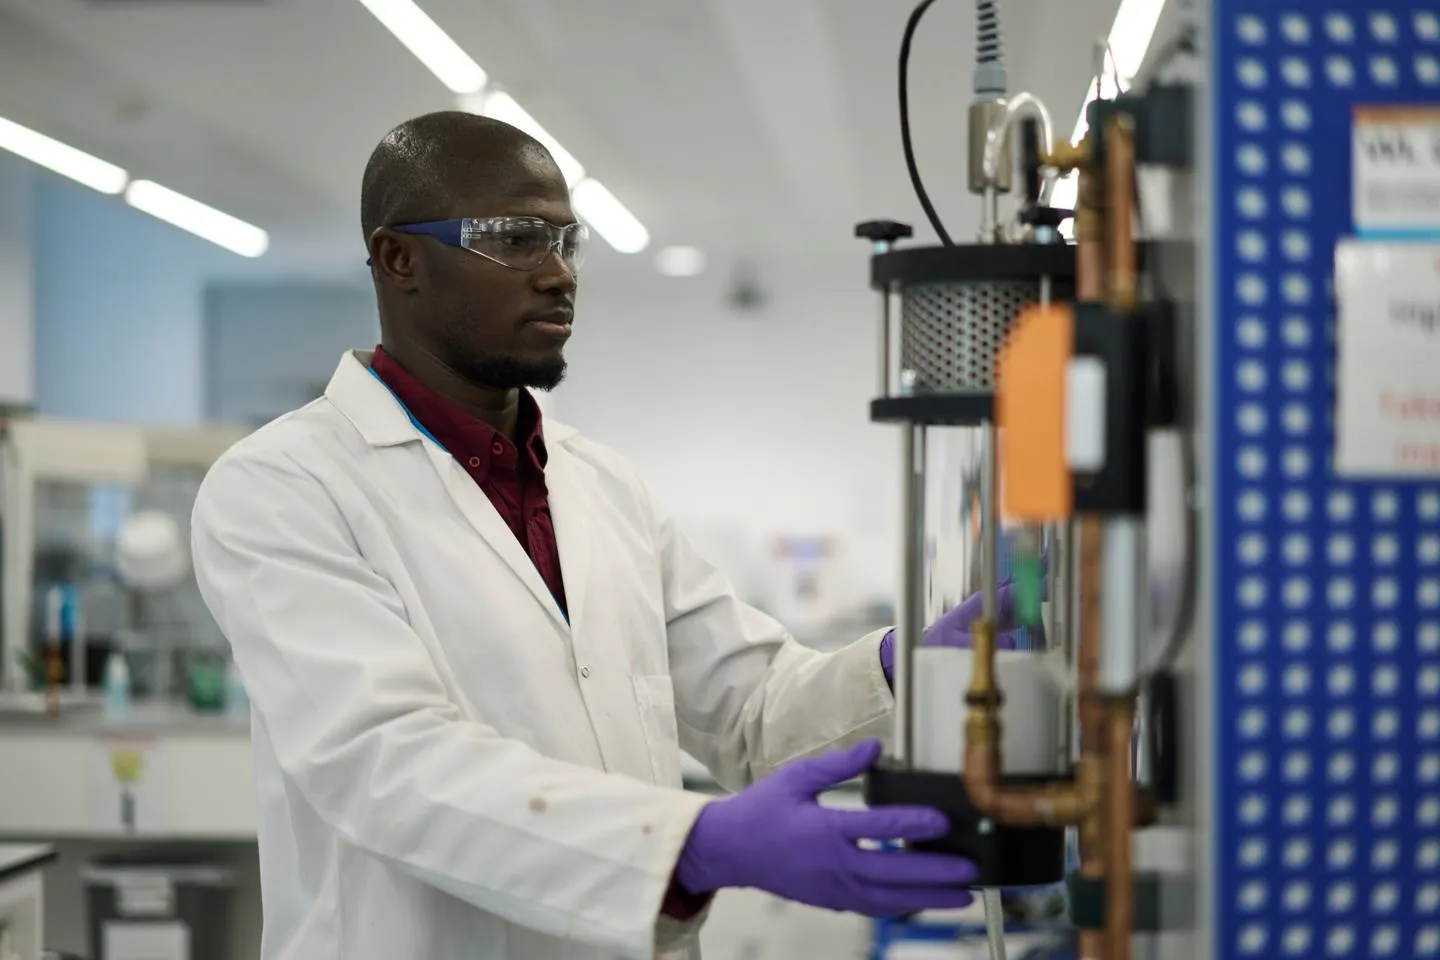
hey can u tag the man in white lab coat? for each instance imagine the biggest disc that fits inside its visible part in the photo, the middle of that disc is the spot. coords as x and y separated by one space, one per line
475 646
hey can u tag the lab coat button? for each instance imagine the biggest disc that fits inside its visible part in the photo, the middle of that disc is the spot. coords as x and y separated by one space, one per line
584 671
474 461
498 448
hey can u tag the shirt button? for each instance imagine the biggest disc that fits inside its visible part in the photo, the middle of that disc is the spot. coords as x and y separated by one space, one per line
498 447
584 671
474 461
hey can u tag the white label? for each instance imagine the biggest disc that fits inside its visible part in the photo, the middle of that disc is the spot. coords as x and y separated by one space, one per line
144 895
1396 159
145 941
1388 366
1085 414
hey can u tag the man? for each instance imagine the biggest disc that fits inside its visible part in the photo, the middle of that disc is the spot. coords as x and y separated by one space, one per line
475 646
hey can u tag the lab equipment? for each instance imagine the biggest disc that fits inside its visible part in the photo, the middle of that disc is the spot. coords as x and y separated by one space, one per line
1216 675
117 685
1044 357
99 512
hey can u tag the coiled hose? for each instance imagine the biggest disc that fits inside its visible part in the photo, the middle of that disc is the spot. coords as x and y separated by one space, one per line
990 79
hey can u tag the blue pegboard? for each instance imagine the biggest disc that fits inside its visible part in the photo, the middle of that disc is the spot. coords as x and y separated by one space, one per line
1327 592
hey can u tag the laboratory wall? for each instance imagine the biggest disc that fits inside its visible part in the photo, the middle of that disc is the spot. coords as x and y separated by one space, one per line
750 424
119 301
17 284
271 347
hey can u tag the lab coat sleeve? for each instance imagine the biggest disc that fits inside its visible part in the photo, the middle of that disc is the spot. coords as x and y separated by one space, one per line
365 730
749 697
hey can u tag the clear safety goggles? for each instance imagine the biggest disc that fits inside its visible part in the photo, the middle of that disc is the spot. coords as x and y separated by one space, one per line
520 243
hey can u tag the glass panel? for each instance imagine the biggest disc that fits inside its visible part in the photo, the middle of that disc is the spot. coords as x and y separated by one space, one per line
77 531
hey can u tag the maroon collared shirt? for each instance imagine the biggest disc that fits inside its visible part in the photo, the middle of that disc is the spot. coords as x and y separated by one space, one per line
512 475
513 478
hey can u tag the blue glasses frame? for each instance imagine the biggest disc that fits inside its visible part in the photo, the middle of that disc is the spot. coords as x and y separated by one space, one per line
456 233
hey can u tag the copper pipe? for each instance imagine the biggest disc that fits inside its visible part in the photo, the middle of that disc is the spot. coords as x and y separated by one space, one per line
1119 872
1089 241
1120 215
1059 803
1093 943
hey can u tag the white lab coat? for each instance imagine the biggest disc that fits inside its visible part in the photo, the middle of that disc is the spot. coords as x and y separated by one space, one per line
446 768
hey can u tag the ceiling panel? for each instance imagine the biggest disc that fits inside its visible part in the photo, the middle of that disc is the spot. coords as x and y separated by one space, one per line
749 127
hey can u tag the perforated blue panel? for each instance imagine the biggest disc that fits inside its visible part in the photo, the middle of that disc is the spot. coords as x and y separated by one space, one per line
1327 716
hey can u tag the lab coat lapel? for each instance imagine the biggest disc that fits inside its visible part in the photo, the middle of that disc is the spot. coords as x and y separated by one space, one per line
568 481
482 515
383 421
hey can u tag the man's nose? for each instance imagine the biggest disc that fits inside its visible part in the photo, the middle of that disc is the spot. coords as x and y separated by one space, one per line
555 273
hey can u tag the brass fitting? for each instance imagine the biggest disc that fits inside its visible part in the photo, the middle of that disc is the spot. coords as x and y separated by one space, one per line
984 690
1066 157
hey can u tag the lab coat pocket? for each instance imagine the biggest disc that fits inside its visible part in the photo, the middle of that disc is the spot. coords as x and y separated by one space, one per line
655 696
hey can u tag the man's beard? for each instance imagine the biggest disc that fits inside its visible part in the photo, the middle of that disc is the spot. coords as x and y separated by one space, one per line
508 373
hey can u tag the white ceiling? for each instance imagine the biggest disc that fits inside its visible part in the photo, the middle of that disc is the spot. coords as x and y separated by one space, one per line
759 128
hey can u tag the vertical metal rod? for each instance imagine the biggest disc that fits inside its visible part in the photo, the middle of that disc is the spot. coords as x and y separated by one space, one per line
879 248
911 596
989 523
883 373
994 922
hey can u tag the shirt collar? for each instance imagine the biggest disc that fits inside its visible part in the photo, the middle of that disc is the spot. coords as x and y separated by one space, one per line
475 444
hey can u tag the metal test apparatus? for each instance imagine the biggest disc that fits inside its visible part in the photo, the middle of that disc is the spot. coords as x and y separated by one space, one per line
1242 734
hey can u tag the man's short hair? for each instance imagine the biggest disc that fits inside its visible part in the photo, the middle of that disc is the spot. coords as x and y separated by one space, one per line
413 173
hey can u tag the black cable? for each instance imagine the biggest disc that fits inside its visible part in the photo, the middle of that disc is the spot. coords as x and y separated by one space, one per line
910 165
1180 632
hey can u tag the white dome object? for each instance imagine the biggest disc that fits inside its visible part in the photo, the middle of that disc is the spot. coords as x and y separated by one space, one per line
150 551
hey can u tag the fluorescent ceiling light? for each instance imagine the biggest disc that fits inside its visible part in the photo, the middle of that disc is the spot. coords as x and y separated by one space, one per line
192 215
503 107
1131 33
680 261
598 207
432 46
62 158
1129 40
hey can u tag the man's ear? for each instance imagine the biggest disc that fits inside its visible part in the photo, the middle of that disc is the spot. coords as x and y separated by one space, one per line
393 258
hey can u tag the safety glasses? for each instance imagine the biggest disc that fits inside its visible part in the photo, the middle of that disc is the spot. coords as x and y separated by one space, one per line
520 243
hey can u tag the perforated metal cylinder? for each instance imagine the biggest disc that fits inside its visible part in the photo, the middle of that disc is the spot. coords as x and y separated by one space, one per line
951 331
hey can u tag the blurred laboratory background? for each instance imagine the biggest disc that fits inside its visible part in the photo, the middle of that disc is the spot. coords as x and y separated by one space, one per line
181 260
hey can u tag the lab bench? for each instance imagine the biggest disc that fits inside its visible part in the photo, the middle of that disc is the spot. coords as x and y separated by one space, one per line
161 771
22 899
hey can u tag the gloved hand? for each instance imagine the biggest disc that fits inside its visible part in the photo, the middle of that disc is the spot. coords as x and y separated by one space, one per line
775 836
953 629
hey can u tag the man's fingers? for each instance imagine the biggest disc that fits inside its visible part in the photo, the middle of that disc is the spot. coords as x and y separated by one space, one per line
902 901
910 868
892 823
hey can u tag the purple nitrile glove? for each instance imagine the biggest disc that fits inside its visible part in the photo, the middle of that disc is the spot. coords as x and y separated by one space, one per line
953 629
775 836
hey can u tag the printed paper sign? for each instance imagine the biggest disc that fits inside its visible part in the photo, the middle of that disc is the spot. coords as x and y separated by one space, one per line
1396 154
145 941
127 792
1388 366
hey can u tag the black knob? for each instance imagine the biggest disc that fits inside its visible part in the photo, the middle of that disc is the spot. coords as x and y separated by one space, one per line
1038 216
883 231
1030 160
